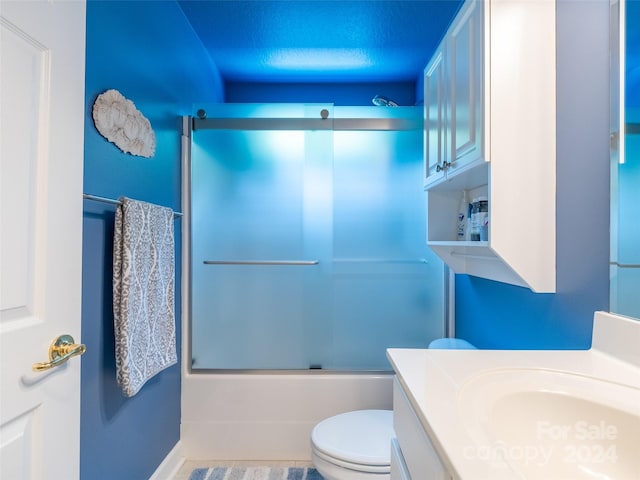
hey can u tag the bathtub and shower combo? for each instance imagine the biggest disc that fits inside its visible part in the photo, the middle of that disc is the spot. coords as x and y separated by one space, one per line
304 259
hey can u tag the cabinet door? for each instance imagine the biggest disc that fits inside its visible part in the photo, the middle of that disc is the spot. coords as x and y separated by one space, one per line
435 118
418 452
464 53
398 466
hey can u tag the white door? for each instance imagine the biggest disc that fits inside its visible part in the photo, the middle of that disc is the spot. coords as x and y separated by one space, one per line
42 48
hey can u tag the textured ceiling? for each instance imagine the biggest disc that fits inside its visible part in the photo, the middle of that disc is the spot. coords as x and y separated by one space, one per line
320 40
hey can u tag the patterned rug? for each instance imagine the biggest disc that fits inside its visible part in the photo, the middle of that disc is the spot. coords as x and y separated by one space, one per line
255 473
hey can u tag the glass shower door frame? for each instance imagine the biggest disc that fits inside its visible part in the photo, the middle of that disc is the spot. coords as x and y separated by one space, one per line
316 123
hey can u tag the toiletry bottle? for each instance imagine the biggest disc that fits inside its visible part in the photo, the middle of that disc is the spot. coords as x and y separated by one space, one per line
475 217
467 232
463 214
483 218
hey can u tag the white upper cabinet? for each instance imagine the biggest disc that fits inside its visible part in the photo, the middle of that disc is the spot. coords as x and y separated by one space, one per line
496 67
465 83
435 137
453 98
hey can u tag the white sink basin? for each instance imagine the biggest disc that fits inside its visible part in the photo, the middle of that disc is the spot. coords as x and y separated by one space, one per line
548 424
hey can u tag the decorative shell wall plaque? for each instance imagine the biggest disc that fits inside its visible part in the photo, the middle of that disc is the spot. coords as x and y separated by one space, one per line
119 121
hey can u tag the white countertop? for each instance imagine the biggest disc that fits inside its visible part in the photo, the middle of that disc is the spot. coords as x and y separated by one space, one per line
433 380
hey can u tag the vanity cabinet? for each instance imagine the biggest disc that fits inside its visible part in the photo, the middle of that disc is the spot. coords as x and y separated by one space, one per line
490 131
413 456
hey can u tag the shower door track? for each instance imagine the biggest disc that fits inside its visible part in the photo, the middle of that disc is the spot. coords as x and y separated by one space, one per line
334 124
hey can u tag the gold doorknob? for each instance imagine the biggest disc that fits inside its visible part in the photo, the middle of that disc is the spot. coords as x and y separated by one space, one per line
61 350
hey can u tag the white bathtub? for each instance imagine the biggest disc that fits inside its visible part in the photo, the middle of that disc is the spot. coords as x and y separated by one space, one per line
256 416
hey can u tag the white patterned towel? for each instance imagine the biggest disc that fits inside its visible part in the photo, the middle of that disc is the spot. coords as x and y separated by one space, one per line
143 293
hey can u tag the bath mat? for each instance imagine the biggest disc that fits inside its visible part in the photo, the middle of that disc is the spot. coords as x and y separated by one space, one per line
255 473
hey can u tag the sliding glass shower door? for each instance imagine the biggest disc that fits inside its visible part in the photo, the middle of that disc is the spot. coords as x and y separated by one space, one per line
308 245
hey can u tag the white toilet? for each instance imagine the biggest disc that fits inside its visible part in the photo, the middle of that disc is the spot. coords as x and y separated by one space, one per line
357 445
354 445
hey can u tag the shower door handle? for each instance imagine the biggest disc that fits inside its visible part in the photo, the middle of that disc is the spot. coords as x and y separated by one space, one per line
262 262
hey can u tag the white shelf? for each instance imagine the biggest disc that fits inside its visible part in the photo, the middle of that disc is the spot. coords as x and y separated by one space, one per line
476 258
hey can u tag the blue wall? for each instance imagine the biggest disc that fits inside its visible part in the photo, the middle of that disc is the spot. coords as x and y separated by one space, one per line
494 315
148 52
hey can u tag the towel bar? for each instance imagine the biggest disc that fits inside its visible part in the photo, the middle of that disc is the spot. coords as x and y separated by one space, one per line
624 265
111 201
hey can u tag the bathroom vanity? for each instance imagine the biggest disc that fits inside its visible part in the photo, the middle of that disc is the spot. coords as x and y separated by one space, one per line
503 414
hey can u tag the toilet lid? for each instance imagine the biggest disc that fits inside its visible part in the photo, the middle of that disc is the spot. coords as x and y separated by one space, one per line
362 437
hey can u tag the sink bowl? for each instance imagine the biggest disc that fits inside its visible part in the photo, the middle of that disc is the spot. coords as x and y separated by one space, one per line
543 424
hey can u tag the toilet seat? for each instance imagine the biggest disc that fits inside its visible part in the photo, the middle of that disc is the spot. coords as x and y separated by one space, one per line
357 467
359 440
